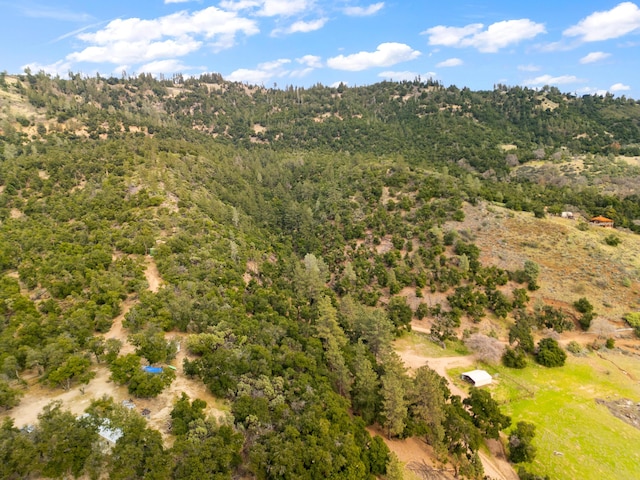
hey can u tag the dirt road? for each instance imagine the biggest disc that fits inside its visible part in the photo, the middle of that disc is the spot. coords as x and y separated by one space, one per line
495 465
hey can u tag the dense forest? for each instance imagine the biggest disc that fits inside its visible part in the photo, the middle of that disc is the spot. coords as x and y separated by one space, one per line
285 224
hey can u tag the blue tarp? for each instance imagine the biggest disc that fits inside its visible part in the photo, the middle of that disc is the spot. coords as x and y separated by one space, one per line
152 369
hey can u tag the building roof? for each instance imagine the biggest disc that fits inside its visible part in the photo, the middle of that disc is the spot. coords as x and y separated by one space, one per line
477 377
111 435
601 219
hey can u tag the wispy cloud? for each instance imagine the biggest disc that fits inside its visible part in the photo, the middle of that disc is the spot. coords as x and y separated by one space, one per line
60 68
551 80
269 8
264 73
35 10
450 62
594 57
496 37
300 27
617 22
591 91
385 55
77 31
364 11
164 66
267 72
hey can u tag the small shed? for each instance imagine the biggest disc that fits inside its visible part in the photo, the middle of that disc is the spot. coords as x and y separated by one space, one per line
601 221
111 435
478 378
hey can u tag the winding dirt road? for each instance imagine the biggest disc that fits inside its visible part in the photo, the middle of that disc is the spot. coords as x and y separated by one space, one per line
495 465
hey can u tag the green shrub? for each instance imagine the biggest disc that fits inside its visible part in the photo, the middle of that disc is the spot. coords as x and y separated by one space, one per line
574 347
612 240
521 448
550 354
633 319
514 358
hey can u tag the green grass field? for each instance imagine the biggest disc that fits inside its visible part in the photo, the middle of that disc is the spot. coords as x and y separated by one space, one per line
576 437
421 343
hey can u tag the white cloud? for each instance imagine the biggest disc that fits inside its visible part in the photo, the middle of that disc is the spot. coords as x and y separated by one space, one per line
337 84
364 11
594 57
163 66
450 62
135 52
285 8
301 27
263 74
312 61
386 54
550 80
237 5
302 72
620 20
452 36
135 40
269 8
619 87
60 68
497 35
528 68
591 91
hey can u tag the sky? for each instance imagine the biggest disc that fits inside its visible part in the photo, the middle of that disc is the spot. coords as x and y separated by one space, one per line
579 46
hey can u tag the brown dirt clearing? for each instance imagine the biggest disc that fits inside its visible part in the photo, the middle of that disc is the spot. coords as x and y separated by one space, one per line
78 398
413 450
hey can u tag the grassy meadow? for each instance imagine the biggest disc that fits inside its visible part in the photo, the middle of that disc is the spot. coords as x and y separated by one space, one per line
575 437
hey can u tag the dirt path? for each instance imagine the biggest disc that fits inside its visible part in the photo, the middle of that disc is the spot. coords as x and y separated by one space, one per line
411 451
117 330
78 398
495 464
73 400
152 274
414 360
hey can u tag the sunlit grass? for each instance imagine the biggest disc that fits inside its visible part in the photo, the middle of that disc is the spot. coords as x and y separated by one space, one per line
422 344
575 436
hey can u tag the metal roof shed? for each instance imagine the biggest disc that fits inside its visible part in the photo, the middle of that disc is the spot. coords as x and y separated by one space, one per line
478 378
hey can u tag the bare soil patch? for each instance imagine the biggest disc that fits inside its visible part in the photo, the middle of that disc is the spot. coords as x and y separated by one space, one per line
152 274
413 452
77 399
416 453
626 410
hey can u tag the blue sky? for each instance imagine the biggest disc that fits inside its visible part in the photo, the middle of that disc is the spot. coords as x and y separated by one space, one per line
580 46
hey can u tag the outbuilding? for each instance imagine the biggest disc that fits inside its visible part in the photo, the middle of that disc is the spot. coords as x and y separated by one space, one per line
601 221
477 378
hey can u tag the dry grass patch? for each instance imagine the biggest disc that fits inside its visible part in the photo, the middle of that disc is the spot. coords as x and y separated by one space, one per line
573 263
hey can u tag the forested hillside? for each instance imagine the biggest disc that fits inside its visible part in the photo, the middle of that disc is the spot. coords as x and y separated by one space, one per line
287 226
